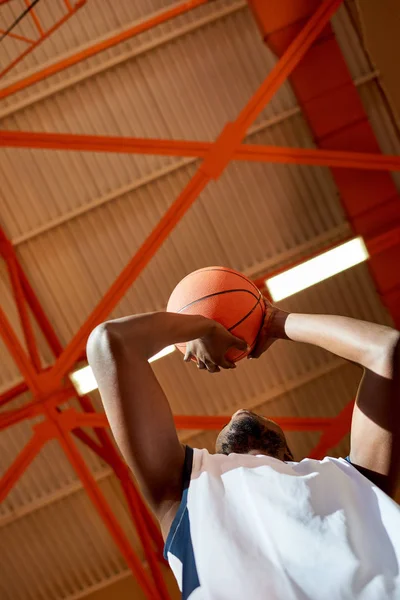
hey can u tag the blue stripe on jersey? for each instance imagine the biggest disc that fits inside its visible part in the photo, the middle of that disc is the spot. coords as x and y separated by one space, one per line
179 541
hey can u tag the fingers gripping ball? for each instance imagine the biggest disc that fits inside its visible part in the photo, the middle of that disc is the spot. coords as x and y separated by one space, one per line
223 295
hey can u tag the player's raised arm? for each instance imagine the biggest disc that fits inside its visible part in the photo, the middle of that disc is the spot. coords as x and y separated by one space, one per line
375 431
135 404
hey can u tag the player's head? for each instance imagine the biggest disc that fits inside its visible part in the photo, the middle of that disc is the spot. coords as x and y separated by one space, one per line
248 433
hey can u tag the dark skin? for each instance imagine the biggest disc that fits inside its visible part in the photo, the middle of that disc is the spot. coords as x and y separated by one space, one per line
142 422
375 431
136 406
249 433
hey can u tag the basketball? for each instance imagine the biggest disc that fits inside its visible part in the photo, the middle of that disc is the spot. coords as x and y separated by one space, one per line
223 295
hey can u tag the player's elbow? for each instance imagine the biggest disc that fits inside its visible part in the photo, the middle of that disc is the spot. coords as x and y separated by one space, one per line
102 342
383 359
111 340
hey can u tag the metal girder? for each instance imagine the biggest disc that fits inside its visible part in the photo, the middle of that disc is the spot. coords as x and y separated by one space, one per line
332 435
46 385
43 35
8 254
91 50
337 119
212 167
48 394
161 147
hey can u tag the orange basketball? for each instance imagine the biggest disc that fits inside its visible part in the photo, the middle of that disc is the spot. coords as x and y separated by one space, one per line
223 295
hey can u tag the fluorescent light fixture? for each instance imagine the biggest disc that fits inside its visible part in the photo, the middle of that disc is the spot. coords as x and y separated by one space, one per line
162 353
317 269
85 382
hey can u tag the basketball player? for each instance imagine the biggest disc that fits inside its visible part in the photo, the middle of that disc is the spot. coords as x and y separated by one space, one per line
248 522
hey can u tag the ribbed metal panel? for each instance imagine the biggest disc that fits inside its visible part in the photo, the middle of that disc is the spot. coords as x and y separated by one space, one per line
350 42
286 366
132 48
323 396
382 122
89 23
50 475
62 549
241 221
76 219
9 372
372 96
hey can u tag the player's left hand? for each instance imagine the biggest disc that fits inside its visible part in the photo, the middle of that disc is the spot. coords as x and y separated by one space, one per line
209 351
271 330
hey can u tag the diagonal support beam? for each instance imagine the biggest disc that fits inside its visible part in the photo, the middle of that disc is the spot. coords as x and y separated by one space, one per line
339 427
206 422
8 253
12 393
211 422
15 36
161 147
148 532
109 519
212 167
41 39
91 50
19 466
19 355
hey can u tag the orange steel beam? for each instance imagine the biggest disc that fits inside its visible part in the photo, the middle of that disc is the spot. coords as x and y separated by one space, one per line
215 162
106 451
57 430
22 308
57 426
20 38
105 44
135 504
34 408
9 418
212 167
211 422
134 500
147 530
245 152
114 528
339 427
18 353
376 245
35 18
337 119
42 38
38 312
20 464
137 507
217 422
138 512
10 394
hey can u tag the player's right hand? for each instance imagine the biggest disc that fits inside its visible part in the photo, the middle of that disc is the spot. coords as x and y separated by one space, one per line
209 351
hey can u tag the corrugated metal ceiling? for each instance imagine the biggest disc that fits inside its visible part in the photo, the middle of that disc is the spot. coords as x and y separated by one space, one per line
74 238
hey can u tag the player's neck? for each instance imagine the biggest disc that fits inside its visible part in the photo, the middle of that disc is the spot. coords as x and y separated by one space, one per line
258 452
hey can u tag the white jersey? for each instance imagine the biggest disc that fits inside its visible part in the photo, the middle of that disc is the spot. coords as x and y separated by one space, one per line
255 528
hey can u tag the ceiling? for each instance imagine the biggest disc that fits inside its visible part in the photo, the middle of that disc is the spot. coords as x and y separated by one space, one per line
76 218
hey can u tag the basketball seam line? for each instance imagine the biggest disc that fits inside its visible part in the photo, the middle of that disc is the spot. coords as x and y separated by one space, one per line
258 303
224 270
255 339
215 294
248 314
